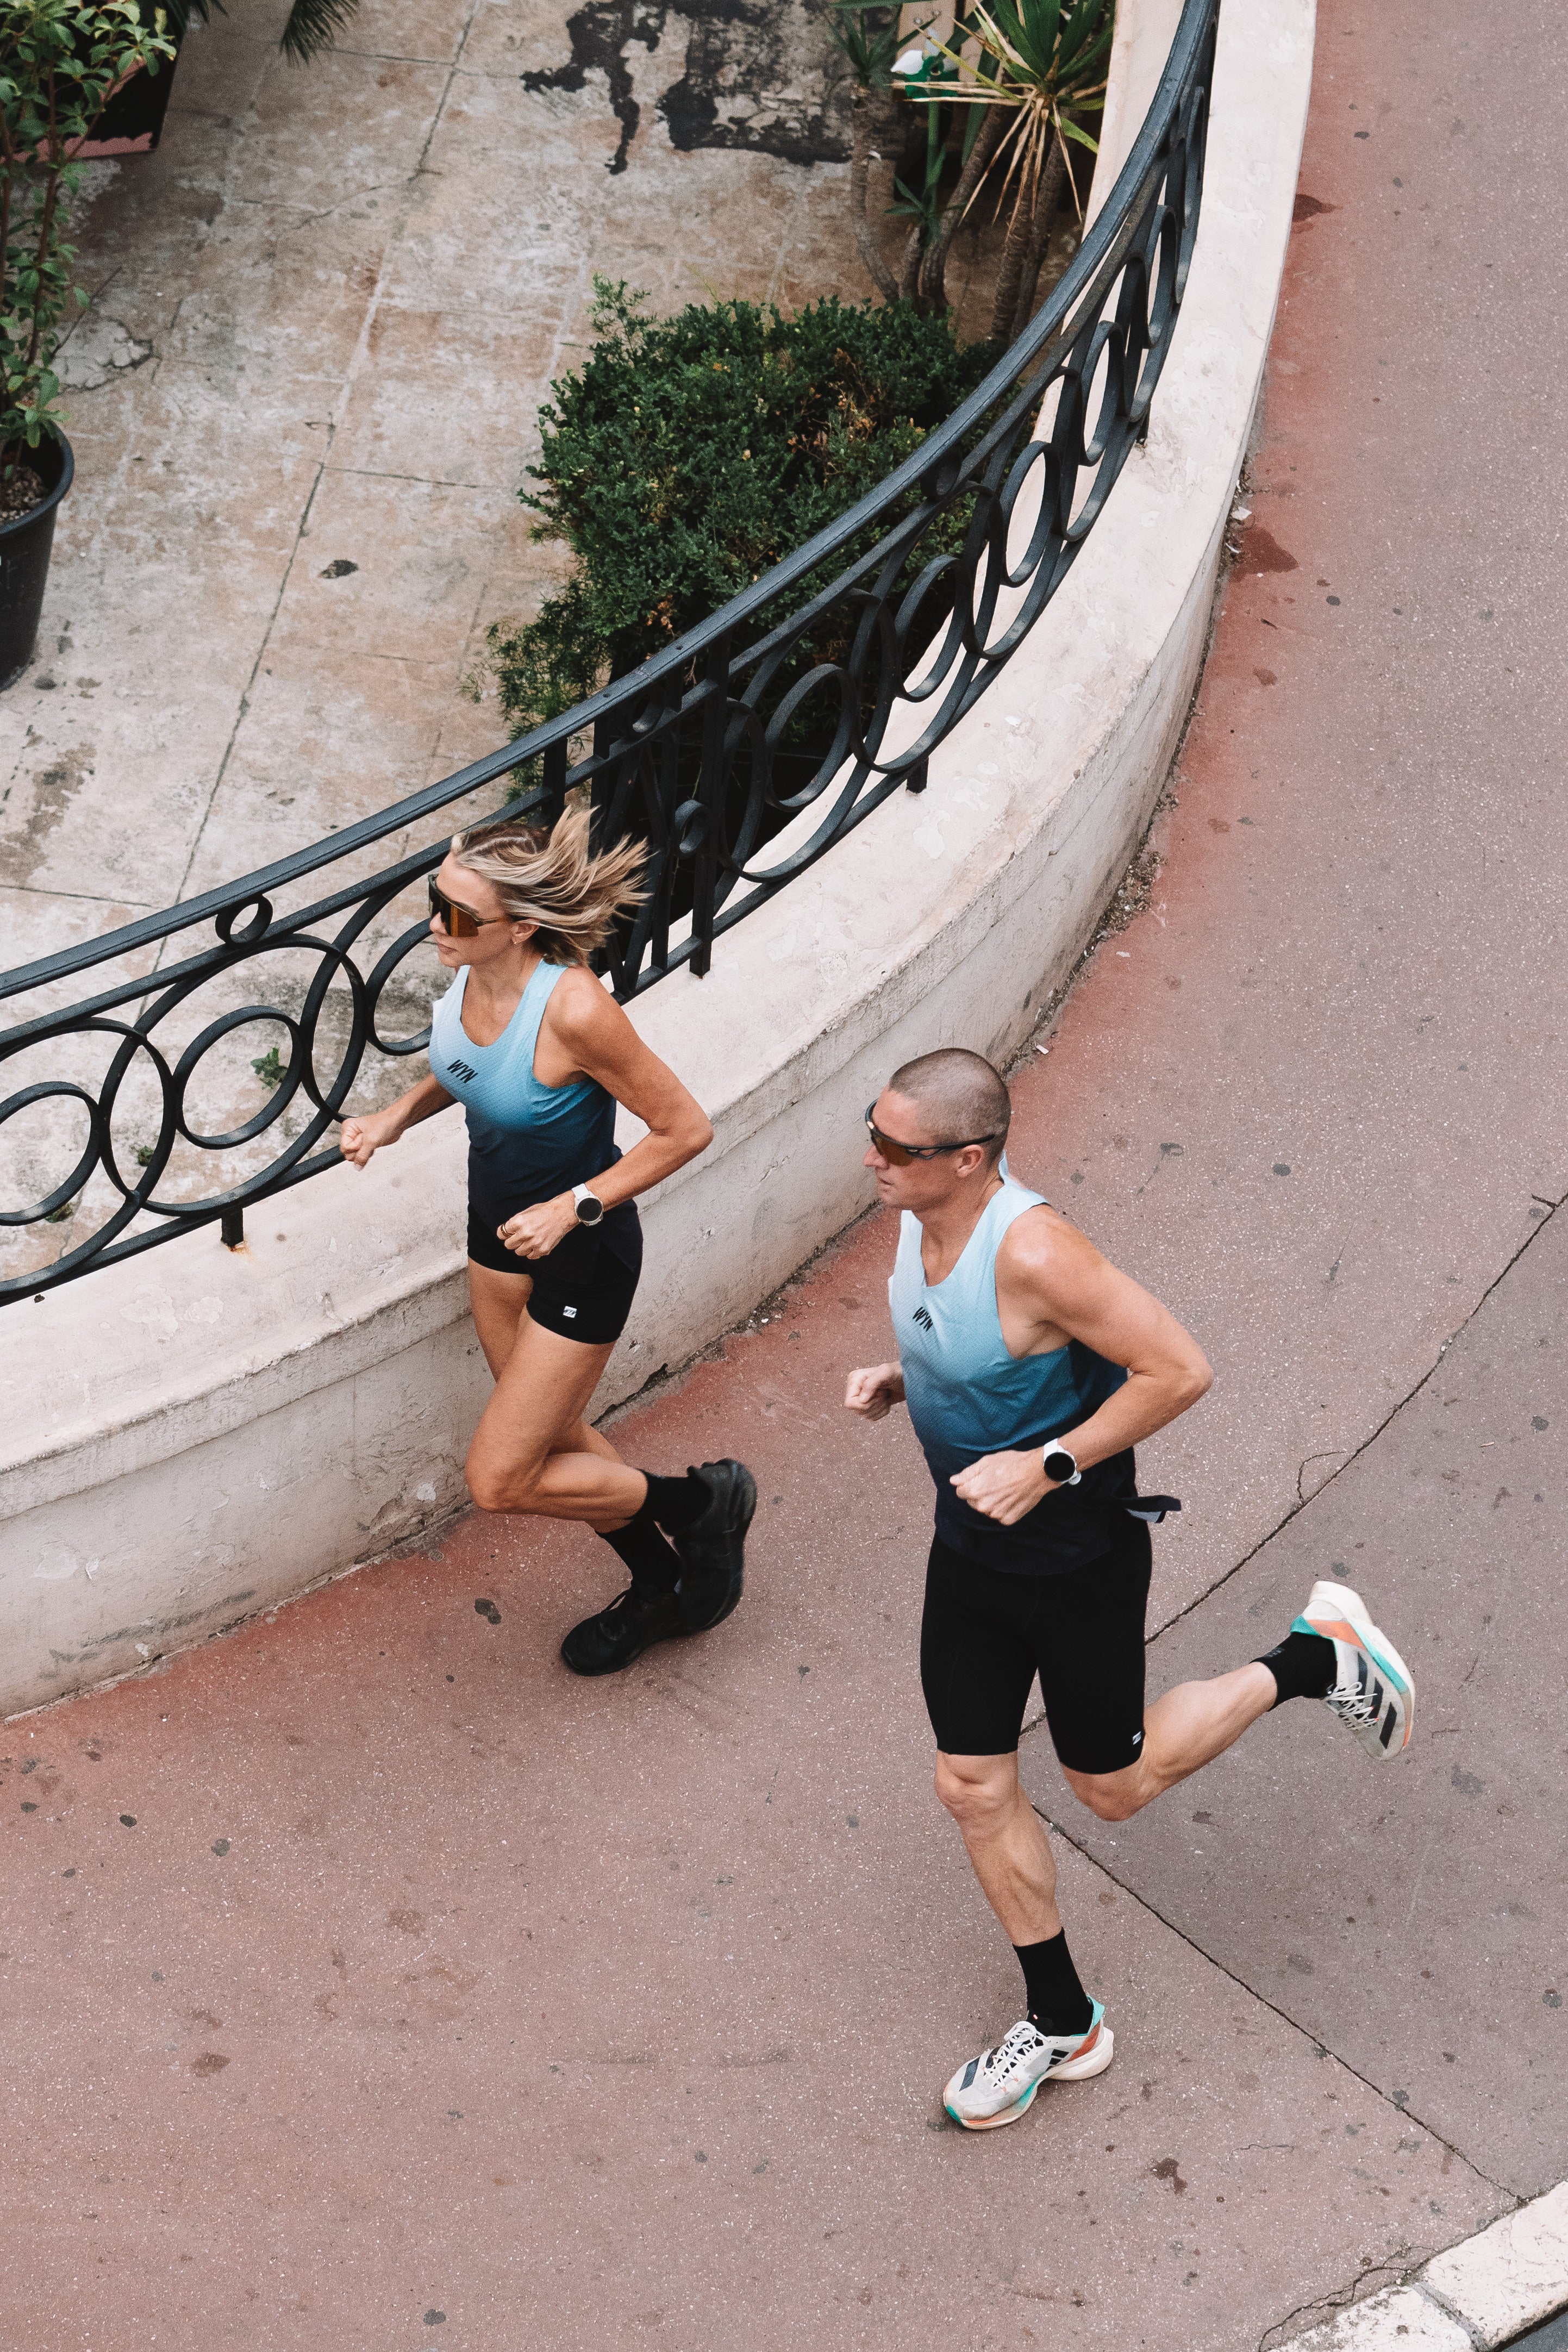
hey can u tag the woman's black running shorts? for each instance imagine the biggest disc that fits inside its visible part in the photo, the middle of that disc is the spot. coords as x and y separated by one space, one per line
986 1634
585 1288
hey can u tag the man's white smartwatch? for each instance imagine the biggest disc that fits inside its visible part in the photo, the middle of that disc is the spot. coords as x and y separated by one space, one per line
1060 1467
590 1207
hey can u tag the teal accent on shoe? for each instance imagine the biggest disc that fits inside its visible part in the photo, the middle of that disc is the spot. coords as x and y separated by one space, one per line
1401 1683
1397 1681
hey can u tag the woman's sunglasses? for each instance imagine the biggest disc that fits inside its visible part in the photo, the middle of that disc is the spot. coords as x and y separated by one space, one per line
899 1155
456 921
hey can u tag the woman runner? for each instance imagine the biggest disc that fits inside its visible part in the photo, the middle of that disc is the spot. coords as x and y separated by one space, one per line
539 1053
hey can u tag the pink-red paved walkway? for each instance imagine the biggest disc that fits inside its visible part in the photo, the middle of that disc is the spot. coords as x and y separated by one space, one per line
370 1983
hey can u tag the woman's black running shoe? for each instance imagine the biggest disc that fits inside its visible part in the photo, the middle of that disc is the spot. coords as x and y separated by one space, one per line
711 1550
633 1622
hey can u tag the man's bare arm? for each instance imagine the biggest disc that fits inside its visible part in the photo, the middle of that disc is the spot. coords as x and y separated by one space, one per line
1053 1285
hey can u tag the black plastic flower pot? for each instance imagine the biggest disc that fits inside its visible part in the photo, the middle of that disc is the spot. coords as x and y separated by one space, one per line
131 123
26 542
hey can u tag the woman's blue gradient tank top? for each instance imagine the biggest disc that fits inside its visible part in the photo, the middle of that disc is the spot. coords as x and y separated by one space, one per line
527 1141
968 1397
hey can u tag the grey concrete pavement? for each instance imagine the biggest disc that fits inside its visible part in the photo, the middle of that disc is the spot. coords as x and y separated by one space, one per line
517 2010
425 1978
1409 1919
1354 969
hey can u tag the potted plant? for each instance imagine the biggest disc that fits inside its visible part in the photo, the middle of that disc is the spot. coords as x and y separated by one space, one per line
60 63
132 122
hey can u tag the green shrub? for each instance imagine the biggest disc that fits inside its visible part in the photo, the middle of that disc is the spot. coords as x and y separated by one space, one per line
692 453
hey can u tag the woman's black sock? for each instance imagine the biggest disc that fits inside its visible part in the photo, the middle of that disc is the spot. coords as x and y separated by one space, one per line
674 1502
1303 1664
1057 2001
654 1563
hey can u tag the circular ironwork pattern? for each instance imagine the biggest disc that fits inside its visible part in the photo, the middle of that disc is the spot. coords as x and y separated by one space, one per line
739 755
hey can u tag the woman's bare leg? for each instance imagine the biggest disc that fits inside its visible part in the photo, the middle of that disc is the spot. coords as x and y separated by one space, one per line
497 1301
528 1453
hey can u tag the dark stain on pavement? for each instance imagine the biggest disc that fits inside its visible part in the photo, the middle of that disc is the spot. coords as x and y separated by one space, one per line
759 74
53 790
1261 552
1168 2168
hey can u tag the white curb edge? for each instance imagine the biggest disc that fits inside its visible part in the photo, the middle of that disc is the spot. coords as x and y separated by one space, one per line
1481 2294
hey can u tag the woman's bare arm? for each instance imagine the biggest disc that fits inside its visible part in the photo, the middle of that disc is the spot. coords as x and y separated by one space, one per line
367 1133
588 1031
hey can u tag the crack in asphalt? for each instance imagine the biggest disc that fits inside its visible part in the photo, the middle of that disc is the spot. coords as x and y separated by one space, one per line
1406 2114
1380 2275
1277 2333
1354 1453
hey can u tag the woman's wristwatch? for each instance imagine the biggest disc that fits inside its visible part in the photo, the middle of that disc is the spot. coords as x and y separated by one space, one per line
1060 1467
590 1207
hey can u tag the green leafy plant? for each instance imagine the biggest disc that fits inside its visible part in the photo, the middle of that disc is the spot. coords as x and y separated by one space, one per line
59 64
690 454
1039 67
268 1068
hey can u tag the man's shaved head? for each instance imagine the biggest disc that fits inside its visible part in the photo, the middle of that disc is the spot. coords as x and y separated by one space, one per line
961 1094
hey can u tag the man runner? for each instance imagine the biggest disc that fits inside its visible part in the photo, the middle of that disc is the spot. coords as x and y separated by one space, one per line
1032 1368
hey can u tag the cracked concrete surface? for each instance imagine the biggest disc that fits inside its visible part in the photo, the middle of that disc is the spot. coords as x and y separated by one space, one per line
375 1977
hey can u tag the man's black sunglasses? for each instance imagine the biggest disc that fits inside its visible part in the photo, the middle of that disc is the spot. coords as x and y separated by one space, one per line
899 1155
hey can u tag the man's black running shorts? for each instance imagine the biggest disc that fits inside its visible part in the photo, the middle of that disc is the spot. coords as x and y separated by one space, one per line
585 1288
986 1634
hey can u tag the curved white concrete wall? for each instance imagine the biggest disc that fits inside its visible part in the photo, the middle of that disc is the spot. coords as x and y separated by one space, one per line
194 1436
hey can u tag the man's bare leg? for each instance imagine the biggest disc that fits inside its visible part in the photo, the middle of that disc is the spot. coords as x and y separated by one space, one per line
1064 2033
1184 1730
1006 1841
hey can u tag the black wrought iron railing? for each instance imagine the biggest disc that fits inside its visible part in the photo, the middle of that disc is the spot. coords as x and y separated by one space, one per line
741 754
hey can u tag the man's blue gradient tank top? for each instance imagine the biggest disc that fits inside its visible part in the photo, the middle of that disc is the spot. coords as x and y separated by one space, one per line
968 1397
527 1141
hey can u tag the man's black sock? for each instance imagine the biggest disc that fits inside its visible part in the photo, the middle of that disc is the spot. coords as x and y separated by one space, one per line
1057 2001
1304 1665
654 1564
674 1502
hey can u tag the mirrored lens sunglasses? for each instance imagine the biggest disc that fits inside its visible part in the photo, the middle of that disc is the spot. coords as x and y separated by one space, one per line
456 921
899 1155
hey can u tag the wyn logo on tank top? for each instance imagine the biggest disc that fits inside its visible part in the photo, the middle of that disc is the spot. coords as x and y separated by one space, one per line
462 1070
923 1318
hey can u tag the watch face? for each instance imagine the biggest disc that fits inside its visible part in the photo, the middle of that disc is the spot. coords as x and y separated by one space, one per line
590 1210
1059 1465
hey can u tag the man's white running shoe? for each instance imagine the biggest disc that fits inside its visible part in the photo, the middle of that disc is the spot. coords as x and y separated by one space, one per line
998 2087
1372 1690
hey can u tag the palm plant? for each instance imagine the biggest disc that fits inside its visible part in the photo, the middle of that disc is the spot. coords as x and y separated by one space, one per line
867 32
1040 69
312 25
